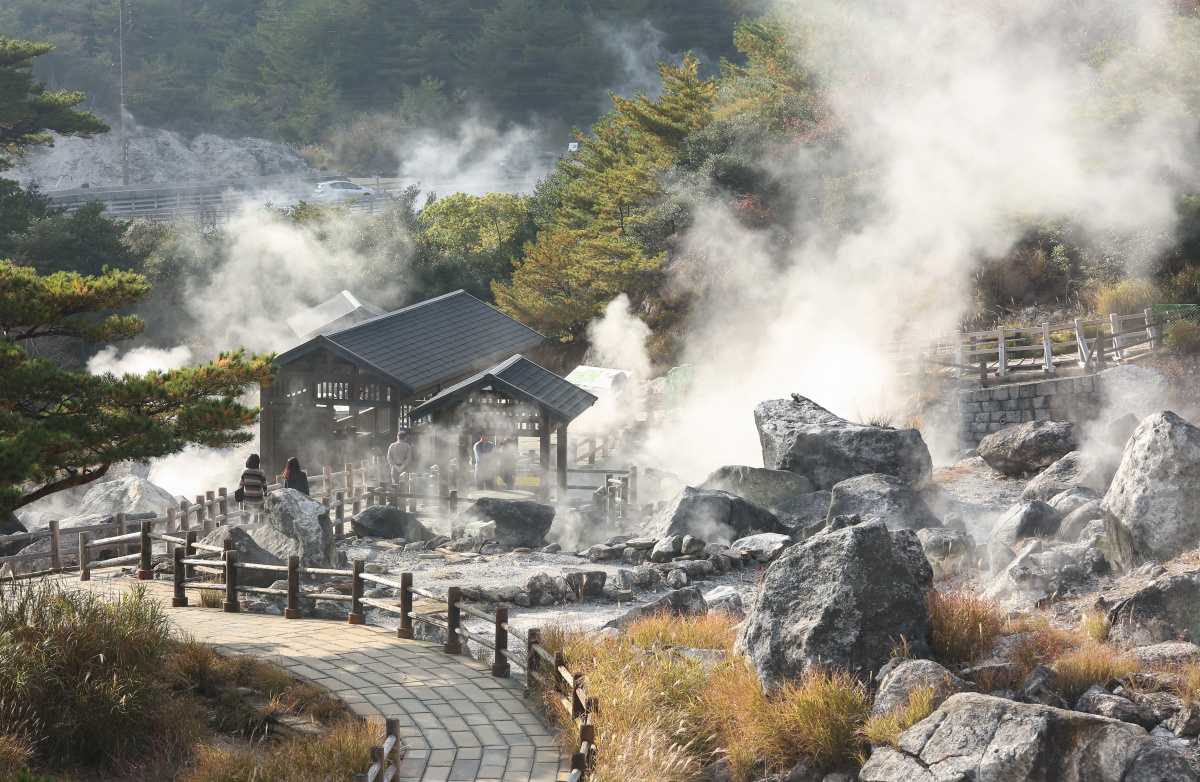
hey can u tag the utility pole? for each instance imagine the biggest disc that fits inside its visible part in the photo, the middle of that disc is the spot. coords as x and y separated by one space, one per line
124 132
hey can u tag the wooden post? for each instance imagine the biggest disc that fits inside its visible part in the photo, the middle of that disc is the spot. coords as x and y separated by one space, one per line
55 548
339 512
633 484
183 516
179 599
391 730
1100 359
189 550
223 505
349 479
544 457
1048 364
1003 347
357 502
84 575
171 520
1114 321
500 662
356 616
231 597
122 529
453 643
610 498
958 353
145 571
210 502
327 481
405 630
1152 329
452 503
563 464
532 660
201 518
591 442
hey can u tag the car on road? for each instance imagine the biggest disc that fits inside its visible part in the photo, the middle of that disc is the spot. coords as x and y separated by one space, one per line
341 190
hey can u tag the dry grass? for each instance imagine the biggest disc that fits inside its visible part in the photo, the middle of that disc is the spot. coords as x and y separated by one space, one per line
1095 626
1090 664
1038 642
944 475
966 624
338 754
663 716
212 598
886 729
1125 297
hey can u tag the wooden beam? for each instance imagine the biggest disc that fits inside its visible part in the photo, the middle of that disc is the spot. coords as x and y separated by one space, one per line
544 457
562 465
266 429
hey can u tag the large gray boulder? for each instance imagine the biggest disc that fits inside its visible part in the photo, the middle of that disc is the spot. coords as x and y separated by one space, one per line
384 521
519 523
950 552
973 738
800 436
804 515
1024 520
1152 509
1167 609
761 486
131 494
249 552
11 525
841 598
882 497
1026 447
714 516
901 678
1077 520
296 524
1076 469
688 601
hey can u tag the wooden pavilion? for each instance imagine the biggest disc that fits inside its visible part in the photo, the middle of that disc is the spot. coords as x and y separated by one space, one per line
342 396
516 398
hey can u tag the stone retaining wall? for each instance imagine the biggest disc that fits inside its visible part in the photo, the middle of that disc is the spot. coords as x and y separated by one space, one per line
988 410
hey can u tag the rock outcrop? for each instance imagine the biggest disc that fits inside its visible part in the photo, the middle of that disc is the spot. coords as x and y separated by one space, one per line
249 552
900 678
1076 469
384 521
840 598
1031 446
519 523
131 494
1167 609
296 524
800 436
1152 509
714 516
882 497
979 737
756 484
687 601
804 515
950 552
1024 520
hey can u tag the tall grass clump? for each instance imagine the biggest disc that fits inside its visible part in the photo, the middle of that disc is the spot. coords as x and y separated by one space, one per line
1184 336
80 673
1126 297
966 623
337 754
1090 664
885 730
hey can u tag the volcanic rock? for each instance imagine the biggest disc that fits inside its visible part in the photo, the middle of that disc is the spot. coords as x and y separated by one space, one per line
1032 519
1152 509
687 601
758 485
130 494
519 523
800 436
840 598
1077 520
248 552
901 678
1101 702
1168 609
384 521
804 515
950 552
882 497
765 547
715 516
1030 446
1076 469
980 737
296 524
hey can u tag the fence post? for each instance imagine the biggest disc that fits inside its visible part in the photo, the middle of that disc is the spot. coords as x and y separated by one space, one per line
391 729
122 528
1114 321
189 550
377 757
231 598
500 662
1100 359
179 599
1003 348
293 588
356 505
327 481
453 503
453 643
55 548
145 571
405 630
610 499
1048 365
532 660
183 515
223 505
349 478
1152 330
339 512
633 484
210 502
958 353
356 594
84 575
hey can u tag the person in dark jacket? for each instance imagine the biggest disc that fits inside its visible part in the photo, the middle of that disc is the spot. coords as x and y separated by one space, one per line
294 477
254 487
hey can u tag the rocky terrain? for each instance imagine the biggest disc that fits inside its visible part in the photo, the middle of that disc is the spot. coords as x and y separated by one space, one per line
844 550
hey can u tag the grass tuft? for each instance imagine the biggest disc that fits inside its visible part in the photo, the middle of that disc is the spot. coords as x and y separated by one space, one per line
966 624
339 753
1091 664
885 730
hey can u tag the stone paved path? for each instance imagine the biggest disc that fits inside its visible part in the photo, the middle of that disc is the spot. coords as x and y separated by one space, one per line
458 722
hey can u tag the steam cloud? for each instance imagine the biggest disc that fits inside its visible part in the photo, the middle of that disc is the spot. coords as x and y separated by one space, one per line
475 158
961 115
138 361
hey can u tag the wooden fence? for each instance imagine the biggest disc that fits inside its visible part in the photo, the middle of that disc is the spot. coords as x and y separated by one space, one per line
1005 350
544 672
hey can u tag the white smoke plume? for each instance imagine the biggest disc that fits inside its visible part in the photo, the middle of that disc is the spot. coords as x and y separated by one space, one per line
618 339
139 361
476 158
960 116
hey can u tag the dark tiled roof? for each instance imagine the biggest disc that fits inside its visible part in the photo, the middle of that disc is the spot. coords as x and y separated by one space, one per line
522 379
424 344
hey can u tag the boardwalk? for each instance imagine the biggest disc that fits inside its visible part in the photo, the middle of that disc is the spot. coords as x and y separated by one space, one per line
458 722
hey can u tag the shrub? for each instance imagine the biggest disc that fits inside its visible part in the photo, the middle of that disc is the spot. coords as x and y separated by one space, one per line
1184 336
966 624
1126 297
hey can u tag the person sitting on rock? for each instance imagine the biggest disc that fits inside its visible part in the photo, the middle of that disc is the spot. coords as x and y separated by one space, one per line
294 477
253 486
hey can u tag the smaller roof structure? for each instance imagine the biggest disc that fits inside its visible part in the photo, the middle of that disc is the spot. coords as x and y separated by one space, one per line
339 311
520 379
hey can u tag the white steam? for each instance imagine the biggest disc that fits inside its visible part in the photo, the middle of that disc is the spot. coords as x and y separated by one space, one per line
618 339
956 117
476 158
138 361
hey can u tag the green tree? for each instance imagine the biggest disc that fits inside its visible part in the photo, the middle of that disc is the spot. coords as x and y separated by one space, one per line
28 111
470 242
59 428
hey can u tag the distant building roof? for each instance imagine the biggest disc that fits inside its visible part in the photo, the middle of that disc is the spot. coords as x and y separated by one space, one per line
518 378
326 314
427 343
